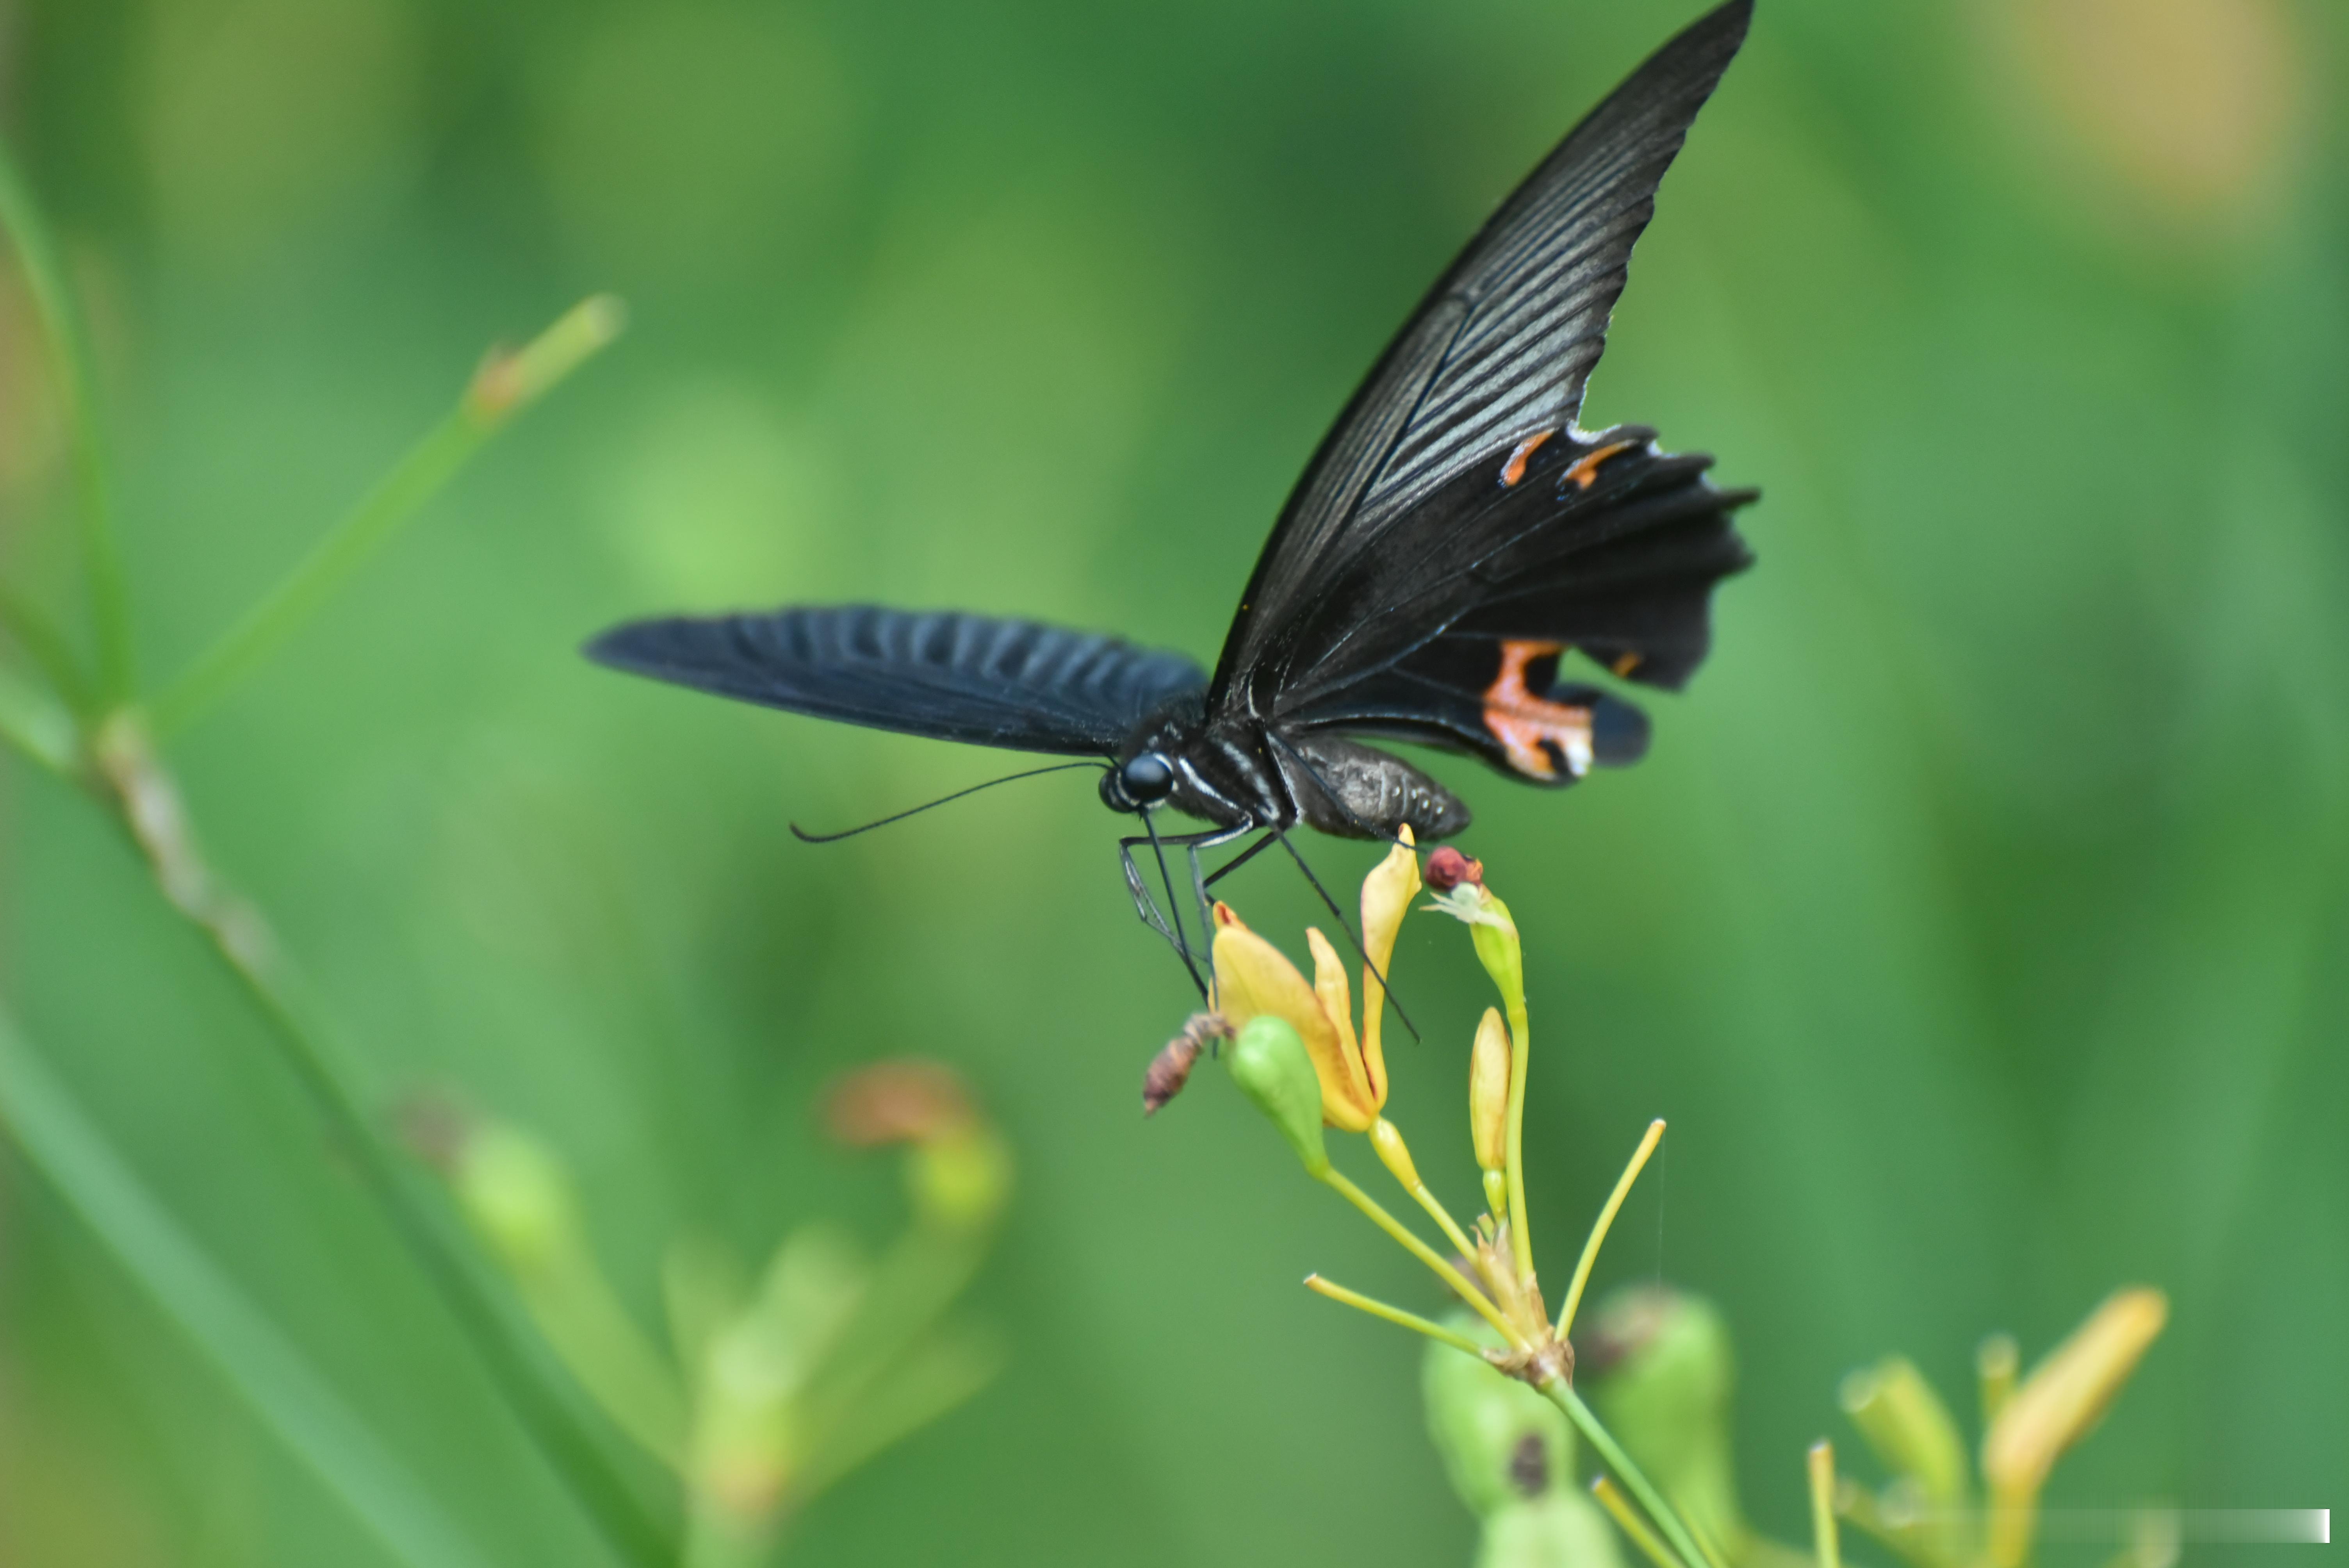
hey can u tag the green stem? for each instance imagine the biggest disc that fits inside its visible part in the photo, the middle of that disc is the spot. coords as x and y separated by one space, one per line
1444 1219
503 386
149 811
1521 1235
1626 1519
69 364
1606 1222
429 466
1331 1176
1821 1474
598 1487
1394 1315
930 1380
32 722
1611 1452
47 645
282 1387
716 1537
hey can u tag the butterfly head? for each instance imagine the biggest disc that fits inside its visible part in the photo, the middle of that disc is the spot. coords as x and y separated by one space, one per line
1138 783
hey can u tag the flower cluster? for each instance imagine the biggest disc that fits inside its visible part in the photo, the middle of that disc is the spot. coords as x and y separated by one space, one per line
774 1386
1295 1050
1296 1053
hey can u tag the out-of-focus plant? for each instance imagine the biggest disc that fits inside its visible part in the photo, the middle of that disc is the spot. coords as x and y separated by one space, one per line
1498 1377
774 1386
1509 1453
1662 1371
74 705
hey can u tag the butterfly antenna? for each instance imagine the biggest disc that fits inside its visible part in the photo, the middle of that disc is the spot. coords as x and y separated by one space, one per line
804 837
1384 988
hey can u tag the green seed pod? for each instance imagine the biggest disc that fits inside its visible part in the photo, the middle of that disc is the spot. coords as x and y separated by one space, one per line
1661 1371
1564 1529
1269 1063
1502 1443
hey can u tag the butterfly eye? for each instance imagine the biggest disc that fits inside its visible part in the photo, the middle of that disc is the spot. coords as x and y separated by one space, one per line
1148 777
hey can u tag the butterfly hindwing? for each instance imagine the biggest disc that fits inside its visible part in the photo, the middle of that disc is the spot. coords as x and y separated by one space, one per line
1601 542
1499 698
1020 685
1488 371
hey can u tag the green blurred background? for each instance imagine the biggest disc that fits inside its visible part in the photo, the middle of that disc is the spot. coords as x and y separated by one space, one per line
1981 921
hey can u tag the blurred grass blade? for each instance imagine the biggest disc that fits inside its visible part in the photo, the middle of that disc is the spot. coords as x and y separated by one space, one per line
69 364
927 1384
505 385
40 638
34 725
282 1387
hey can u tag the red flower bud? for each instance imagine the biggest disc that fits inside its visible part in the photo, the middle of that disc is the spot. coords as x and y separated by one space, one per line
1448 867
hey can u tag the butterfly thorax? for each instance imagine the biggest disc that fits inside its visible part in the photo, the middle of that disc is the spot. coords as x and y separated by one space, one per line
1243 773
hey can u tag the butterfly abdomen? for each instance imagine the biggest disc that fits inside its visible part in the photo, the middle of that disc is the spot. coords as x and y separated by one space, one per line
1356 791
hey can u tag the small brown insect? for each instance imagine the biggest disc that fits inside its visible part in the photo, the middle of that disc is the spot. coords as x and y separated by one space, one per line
1170 1069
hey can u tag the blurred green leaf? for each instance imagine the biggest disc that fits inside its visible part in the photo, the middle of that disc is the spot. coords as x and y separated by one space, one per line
272 1375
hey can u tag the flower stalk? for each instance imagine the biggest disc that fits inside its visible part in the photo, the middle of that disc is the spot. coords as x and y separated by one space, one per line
776 1387
1297 1053
1821 1470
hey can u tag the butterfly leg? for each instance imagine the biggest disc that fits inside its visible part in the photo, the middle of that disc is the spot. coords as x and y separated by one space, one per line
1237 862
1193 844
1146 905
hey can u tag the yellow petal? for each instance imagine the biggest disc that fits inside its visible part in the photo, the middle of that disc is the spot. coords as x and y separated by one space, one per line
1387 893
1350 1084
1254 979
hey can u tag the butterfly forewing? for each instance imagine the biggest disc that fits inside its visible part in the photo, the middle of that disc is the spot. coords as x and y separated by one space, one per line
1020 685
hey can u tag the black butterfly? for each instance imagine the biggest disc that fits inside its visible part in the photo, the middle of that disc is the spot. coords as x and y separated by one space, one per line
1456 533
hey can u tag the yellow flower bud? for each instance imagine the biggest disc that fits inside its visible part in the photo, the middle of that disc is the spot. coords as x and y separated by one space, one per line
2066 1393
519 1199
1488 1091
960 1182
2060 1403
1496 937
1393 1154
510 380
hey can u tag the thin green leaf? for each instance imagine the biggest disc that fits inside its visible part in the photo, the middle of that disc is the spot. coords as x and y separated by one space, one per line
69 346
34 725
502 388
283 1389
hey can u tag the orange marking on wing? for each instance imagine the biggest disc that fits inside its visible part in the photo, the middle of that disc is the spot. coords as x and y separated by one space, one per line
1515 469
1585 471
1522 721
1627 663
